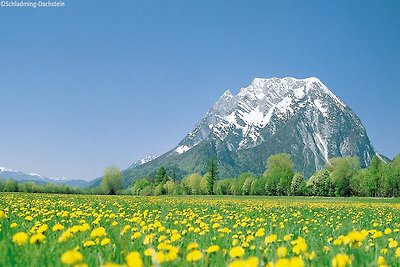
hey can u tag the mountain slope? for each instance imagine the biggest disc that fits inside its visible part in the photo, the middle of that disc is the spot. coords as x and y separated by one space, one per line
301 117
143 161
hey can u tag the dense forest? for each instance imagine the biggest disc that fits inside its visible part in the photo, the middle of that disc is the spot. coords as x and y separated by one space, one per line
341 177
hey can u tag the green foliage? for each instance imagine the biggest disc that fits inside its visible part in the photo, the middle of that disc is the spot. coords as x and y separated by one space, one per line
341 171
298 185
222 187
159 189
30 187
320 184
212 174
394 177
195 184
161 176
341 177
139 185
112 180
11 186
147 191
279 174
247 184
169 187
373 176
358 183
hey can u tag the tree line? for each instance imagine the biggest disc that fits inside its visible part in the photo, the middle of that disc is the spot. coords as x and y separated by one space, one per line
11 185
341 177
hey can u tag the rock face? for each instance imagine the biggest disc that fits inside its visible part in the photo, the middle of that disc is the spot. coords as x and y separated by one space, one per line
301 117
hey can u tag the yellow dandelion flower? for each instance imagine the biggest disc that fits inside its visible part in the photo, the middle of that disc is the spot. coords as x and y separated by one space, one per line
299 245
287 237
337 242
57 227
377 234
354 238
98 232
393 244
175 237
194 255
341 260
105 241
71 257
171 256
280 263
65 236
250 262
260 232
281 252
89 243
192 245
136 235
149 252
133 259
380 261
148 239
37 238
296 262
111 264
236 252
43 228
215 225
20 238
270 239
159 257
212 249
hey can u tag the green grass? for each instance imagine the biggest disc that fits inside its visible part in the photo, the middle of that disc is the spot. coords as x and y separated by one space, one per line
238 220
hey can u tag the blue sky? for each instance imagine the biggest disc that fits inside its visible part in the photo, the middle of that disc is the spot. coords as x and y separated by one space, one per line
102 82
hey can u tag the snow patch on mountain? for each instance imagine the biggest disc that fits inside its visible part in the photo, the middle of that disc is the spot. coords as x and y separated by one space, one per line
35 174
313 82
256 117
2 169
284 105
321 108
182 149
143 161
322 145
299 93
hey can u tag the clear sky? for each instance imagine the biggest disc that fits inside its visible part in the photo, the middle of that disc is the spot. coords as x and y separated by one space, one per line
102 82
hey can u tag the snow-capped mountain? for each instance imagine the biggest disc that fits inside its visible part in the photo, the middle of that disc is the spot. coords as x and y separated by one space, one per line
301 117
33 177
143 161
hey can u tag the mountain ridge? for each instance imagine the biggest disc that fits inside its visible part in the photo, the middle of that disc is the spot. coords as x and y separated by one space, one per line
269 112
20 176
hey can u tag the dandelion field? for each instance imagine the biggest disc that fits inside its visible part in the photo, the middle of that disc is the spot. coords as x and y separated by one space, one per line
77 230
